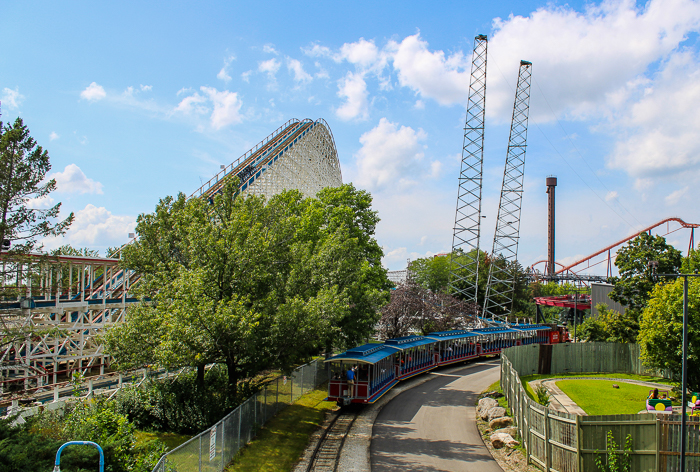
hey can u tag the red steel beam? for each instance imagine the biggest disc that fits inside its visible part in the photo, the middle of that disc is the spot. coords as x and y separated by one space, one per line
667 220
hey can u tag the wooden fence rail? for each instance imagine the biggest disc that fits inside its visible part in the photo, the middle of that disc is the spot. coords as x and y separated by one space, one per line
562 442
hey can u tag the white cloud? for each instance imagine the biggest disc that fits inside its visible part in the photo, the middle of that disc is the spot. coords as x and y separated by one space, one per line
11 98
270 67
353 89
95 227
270 49
611 195
676 196
300 75
390 156
245 76
322 73
317 51
223 73
74 180
93 92
226 107
658 133
431 74
40 203
146 88
192 104
362 53
53 136
584 60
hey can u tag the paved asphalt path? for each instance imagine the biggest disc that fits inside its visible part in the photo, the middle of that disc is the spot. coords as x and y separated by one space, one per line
433 427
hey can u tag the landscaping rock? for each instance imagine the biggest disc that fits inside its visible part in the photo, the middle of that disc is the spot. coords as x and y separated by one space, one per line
485 404
496 412
616 386
498 440
512 430
499 423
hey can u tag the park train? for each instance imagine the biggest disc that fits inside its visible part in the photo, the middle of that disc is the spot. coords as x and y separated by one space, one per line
378 367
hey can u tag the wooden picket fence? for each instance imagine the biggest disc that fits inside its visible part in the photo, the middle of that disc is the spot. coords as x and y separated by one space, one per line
562 442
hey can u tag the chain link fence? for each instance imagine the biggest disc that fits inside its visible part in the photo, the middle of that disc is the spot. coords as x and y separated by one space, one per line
213 449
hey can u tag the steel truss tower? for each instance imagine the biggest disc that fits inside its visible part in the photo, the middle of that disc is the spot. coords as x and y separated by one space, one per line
501 281
464 272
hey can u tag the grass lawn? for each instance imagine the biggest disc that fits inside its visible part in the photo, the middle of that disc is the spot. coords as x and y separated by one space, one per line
282 440
172 440
598 397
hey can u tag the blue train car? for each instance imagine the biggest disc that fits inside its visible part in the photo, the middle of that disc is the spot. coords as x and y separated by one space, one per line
378 367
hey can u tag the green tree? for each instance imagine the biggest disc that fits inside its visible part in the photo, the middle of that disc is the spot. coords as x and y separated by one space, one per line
636 280
610 326
661 330
23 168
252 284
432 273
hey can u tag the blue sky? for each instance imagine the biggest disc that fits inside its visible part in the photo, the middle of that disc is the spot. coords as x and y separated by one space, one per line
135 102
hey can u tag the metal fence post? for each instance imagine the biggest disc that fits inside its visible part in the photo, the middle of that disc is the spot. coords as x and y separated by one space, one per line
239 427
200 453
302 380
265 404
547 455
223 444
277 396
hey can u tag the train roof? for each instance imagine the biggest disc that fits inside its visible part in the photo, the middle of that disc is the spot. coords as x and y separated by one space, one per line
366 354
454 334
408 342
531 327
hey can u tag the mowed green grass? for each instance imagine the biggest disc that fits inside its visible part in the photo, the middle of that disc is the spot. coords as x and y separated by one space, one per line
282 440
598 397
644 378
171 440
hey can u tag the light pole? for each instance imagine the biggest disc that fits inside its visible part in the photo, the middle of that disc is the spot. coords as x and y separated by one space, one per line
684 370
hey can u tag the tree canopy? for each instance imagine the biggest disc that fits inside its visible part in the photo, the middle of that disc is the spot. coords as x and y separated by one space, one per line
610 326
415 309
661 330
636 280
252 284
23 169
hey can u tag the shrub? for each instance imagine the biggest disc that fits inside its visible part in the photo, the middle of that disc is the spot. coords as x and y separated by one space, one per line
542 394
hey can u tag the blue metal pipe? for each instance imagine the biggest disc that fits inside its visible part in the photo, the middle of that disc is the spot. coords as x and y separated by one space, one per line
79 443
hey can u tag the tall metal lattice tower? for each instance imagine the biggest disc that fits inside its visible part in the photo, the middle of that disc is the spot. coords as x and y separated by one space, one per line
501 281
465 239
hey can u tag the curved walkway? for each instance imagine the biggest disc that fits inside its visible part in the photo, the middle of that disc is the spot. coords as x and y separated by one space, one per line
432 426
560 401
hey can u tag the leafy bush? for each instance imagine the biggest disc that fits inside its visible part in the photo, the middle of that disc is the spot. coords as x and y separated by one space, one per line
542 395
180 405
32 446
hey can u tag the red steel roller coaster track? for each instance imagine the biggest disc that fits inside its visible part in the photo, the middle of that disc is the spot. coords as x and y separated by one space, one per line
569 268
